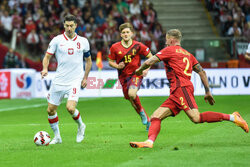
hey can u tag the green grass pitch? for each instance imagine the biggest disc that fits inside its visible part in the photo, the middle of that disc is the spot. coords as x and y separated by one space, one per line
112 124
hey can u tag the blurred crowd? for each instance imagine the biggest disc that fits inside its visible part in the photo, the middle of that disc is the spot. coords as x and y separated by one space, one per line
232 16
38 21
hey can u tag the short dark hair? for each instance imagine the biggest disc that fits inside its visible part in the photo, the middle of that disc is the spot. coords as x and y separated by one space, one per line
70 17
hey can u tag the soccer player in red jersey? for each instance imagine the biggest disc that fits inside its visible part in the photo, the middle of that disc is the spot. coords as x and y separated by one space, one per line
179 65
125 57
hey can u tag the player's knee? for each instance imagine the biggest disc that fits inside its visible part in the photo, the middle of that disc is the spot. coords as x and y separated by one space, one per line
195 119
71 109
51 111
155 116
132 95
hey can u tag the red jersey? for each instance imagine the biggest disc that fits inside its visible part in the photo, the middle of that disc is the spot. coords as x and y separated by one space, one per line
130 56
178 65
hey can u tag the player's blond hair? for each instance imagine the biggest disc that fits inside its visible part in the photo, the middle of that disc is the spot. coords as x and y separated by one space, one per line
175 33
126 25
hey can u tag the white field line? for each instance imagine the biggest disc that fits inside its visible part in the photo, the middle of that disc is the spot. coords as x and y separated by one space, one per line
37 105
62 124
89 123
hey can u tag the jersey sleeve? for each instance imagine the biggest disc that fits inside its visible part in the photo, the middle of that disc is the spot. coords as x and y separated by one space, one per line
112 53
162 55
52 46
86 52
144 50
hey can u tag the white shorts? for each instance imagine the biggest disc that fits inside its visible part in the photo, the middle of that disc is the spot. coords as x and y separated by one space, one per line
57 93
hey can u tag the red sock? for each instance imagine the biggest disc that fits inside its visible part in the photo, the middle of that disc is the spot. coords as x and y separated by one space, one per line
210 116
137 102
154 129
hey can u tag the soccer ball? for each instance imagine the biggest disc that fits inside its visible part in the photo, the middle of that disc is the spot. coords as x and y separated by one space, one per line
42 138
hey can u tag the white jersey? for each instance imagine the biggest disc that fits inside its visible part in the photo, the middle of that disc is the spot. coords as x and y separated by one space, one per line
69 54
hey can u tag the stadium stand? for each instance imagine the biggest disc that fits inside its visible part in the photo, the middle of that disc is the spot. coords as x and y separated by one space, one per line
38 21
98 21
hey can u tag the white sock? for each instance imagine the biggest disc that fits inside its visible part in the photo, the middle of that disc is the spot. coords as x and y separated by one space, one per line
79 120
54 126
232 118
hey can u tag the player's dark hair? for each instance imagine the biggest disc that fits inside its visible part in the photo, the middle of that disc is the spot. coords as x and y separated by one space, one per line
126 25
70 17
175 33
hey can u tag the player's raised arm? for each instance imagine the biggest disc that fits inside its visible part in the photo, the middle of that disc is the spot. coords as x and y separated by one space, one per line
148 63
46 60
199 70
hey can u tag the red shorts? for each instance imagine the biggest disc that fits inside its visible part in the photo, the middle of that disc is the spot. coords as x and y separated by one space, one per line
181 98
128 82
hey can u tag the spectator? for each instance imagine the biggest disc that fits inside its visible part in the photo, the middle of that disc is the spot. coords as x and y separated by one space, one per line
246 31
234 30
145 38
30 25
16 20
99 19
225 20
120 5
137 22
157 31
134 7
11 60
6 21
44 17
33 41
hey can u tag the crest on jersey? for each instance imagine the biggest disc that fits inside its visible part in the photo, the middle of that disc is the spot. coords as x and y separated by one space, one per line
120 52
70 51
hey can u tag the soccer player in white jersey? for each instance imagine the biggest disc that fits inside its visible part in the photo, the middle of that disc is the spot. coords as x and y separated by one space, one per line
69 49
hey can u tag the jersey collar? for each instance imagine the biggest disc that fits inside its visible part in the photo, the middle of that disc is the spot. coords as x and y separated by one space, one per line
127 46
67 38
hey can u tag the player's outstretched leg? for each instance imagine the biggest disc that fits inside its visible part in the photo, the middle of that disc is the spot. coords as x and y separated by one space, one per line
53 121
239 121
210 116
81 126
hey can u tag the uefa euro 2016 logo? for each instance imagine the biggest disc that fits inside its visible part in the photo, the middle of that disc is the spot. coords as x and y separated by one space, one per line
23 81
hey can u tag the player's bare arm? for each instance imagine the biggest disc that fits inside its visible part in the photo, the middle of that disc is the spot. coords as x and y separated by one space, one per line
88 66
199 70
113 64
46 60
145 72
148 63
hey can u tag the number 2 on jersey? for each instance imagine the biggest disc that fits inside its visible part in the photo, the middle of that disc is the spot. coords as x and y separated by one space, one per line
185 60
127 58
